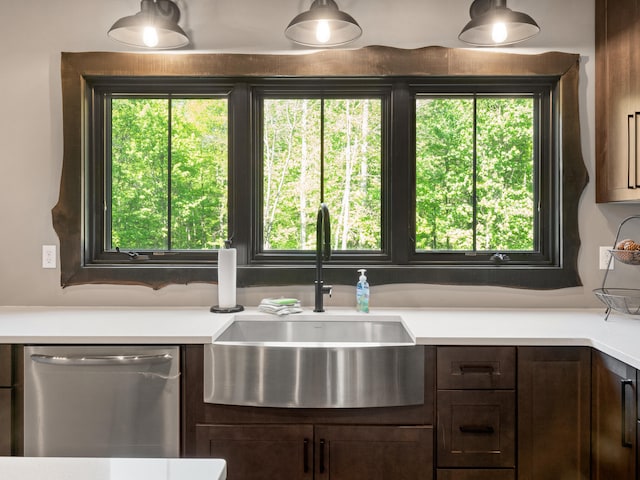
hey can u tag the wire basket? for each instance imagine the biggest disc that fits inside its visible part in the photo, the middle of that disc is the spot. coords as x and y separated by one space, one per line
624 300
630 257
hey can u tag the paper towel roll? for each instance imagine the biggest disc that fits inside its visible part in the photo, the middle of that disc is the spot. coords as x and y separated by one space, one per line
227 277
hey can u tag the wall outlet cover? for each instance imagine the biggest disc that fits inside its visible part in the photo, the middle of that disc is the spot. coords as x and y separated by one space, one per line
48 256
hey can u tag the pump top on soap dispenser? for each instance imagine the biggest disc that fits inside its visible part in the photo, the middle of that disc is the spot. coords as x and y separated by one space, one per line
362 292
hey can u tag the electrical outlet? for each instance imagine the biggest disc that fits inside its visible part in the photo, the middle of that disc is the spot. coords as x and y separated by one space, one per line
48 256
605 259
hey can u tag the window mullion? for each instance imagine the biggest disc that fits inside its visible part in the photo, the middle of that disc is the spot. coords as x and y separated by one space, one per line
322 150
169 134
474 189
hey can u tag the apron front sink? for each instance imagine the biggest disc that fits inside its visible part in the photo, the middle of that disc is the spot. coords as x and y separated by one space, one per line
315 361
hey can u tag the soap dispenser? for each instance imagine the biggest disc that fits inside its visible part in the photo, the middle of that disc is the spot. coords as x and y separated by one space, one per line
362 293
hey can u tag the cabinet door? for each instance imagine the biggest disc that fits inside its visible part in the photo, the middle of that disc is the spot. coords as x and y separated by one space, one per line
373 453
5 421
554 407
259 452
613 420
616 100
5 366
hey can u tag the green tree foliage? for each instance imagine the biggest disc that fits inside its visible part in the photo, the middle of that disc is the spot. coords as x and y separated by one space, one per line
474 189
503 186
143 217
292 172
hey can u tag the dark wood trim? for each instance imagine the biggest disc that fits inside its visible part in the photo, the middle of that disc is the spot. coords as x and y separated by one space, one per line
367 61
78 68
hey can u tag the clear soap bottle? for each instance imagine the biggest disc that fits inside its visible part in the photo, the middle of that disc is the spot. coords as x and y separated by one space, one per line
362 293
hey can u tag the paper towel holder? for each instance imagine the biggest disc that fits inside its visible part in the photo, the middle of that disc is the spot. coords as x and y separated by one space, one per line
233 309
217 309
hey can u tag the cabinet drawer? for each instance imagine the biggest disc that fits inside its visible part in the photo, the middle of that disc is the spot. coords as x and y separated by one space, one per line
5 365
476 368
471 474
476 428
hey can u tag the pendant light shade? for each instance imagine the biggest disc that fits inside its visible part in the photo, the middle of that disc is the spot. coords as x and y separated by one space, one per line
323 25
492 23
154 26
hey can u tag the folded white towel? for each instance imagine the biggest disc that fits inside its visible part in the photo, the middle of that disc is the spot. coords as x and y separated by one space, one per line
280 306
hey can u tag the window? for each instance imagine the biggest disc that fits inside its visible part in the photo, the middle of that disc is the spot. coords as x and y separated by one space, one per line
458 178
485 174
165 173
321 149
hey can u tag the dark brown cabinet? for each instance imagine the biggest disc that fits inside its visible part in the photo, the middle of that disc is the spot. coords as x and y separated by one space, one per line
476 428
617 100
554 407
476 412
259 452
613 420
6 393
386 443
265 452
475 474
373 452
501 413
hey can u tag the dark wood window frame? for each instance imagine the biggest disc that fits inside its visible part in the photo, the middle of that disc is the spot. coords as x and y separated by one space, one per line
418 66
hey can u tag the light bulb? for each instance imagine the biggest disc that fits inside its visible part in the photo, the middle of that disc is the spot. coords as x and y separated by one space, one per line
150 37
323 32
499 32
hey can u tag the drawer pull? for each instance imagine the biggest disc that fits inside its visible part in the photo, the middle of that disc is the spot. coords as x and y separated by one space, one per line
481 429
625 423
305 455
484 369
321 469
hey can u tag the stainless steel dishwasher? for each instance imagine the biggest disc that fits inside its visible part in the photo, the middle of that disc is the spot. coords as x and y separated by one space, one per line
101 401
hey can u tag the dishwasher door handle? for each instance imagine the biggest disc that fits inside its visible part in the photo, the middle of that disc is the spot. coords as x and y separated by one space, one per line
92 360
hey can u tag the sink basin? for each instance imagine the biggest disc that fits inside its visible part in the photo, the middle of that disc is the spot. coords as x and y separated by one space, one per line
307 331
314 361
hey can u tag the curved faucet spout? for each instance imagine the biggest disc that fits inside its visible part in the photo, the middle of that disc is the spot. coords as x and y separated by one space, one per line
323 252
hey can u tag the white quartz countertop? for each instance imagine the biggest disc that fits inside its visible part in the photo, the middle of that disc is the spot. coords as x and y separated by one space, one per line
58 468
618 337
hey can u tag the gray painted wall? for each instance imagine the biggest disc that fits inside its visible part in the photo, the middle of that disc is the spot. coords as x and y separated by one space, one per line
36 31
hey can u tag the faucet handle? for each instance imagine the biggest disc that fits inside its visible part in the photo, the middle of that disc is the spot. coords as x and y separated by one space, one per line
327 289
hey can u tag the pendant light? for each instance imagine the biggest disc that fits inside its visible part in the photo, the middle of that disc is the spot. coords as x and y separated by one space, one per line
154 26
323 25
492 23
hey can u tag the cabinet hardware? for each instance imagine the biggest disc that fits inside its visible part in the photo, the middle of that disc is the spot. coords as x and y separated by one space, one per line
487 369
321 455
623 387
305 455
93 360
482 429
631 151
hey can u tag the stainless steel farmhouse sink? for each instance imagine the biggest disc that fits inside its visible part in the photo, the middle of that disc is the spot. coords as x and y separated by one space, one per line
314 361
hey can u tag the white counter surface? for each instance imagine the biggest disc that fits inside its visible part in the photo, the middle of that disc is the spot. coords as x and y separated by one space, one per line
618 337
41 468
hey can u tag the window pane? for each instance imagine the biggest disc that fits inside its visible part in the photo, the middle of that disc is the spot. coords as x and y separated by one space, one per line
147 171
292 172
199 173
444 174
505 194
503 176
139 177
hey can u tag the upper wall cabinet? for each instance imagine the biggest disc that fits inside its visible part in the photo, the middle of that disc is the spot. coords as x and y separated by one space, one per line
617 101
